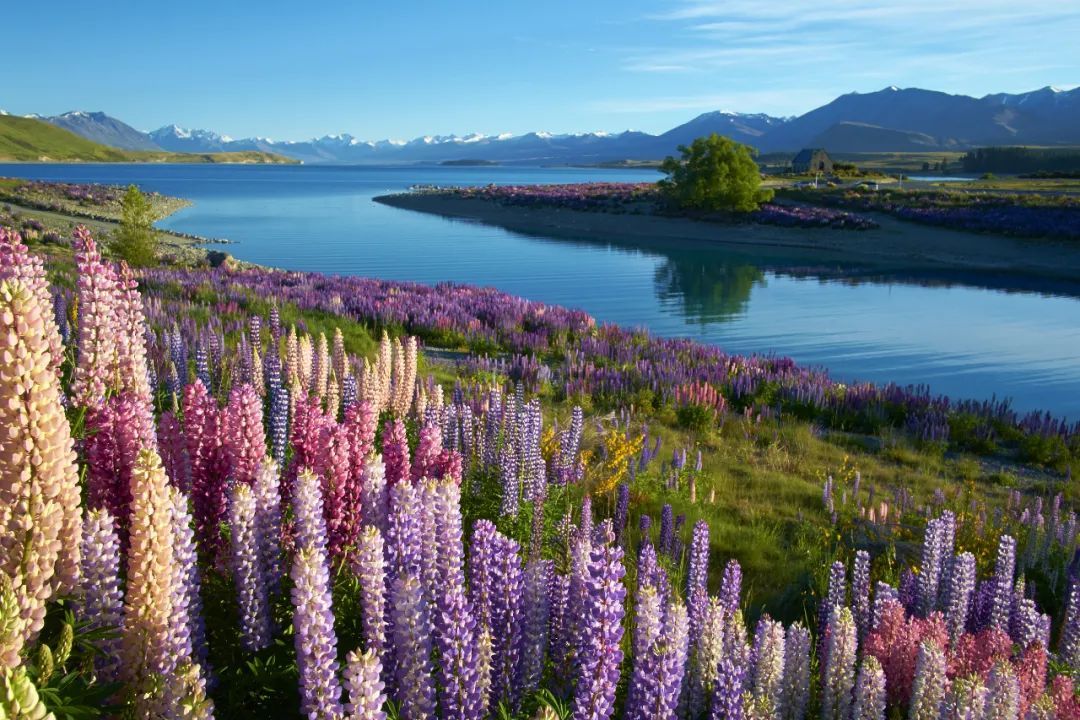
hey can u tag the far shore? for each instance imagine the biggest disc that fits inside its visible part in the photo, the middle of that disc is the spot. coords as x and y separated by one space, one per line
896 243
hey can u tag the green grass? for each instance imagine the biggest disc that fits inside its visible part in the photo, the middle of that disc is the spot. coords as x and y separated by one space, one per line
27 139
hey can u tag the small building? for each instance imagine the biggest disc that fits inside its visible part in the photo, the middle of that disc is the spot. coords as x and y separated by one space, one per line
812 160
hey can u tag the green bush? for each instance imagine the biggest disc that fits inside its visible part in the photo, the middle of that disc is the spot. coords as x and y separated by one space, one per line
135 241
714 173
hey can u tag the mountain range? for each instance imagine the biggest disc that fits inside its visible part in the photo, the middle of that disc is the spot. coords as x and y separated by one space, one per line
889 120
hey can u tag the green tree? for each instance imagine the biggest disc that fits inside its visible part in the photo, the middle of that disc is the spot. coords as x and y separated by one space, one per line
714 173
136 240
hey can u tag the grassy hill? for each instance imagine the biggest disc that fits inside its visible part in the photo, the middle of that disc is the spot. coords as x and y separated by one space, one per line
26 139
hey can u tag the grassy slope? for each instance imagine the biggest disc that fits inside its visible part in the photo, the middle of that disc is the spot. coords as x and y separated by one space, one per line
26 139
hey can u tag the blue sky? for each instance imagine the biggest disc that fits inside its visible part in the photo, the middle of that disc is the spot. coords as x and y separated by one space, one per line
402 69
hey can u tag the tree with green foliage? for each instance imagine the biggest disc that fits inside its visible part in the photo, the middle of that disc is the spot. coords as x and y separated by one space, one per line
136 241
714 173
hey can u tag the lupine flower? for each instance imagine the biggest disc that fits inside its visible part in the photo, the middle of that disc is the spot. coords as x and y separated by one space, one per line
869 691
244 438
267 492
928 691
727 699
40 518
373 496
206 456
660 652
731 586
189 628
796 692
395 452
101 603
601 653
365 686
455 631
148 603
248 569
838 676
698 574
412 634
1002 693
507 586
535 622
959 594
622 510
132 372
172 446
768 668
313 616
1069 649
99 323
966 699
427 452
18 264
860 592
895 643
667 530
1003 583
369 565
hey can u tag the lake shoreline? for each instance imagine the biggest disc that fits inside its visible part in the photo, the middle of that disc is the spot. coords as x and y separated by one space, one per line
895 243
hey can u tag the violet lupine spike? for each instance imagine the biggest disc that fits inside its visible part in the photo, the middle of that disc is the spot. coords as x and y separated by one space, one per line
928 690
363 682
412 634
244 438
838 675
648 624
1069 647
727 698
667 531
622 511
860 592
869 691
187 587
835 596
537 612
1002 693
248 570
481 570
511 482
373 494
796 692
267 491
959 595
455 633
660 653
1004 571
101 602
731 586
930 571
314 637
507 583
601 637
310 525
404 552
450 547
698 573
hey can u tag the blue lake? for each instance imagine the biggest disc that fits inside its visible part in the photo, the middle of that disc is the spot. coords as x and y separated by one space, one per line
967 337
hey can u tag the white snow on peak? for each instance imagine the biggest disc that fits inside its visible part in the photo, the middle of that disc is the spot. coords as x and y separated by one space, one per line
4 112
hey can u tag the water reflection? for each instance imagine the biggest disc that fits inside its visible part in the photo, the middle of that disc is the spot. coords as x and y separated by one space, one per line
710 288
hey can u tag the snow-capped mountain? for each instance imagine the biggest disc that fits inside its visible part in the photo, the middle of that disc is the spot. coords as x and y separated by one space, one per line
892 119
102 128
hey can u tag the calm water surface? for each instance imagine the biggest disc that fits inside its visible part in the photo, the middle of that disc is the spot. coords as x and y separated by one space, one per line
963 337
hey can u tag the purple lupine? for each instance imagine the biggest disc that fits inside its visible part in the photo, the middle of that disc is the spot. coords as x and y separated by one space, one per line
602 629
838 674
731 586
248 570
267 492
644 528
511 483
481 570
883 593
101 604
648 620
313 615
1002 693
959 594
933 552
1069 647
559 624
506 621
404 553
667 530
869 691
796 691
622 510
698 574
188 603
365 687
928 689
279 422
445 501
908 590
534 634
455 633
1004 570
660 652
860 592
412 633
727 697
373 494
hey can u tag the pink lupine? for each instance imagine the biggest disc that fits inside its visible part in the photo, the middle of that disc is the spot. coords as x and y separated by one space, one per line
208 464
895 643
341 492
395 452
98 322
977 654
244 438
131 367
112 447
361 420
18 263
1031 674
428 449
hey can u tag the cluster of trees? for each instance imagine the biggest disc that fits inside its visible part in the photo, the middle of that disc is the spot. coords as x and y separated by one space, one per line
1021 160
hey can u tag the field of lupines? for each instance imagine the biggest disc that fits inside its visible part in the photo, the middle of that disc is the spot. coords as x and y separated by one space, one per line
222 499
645 198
